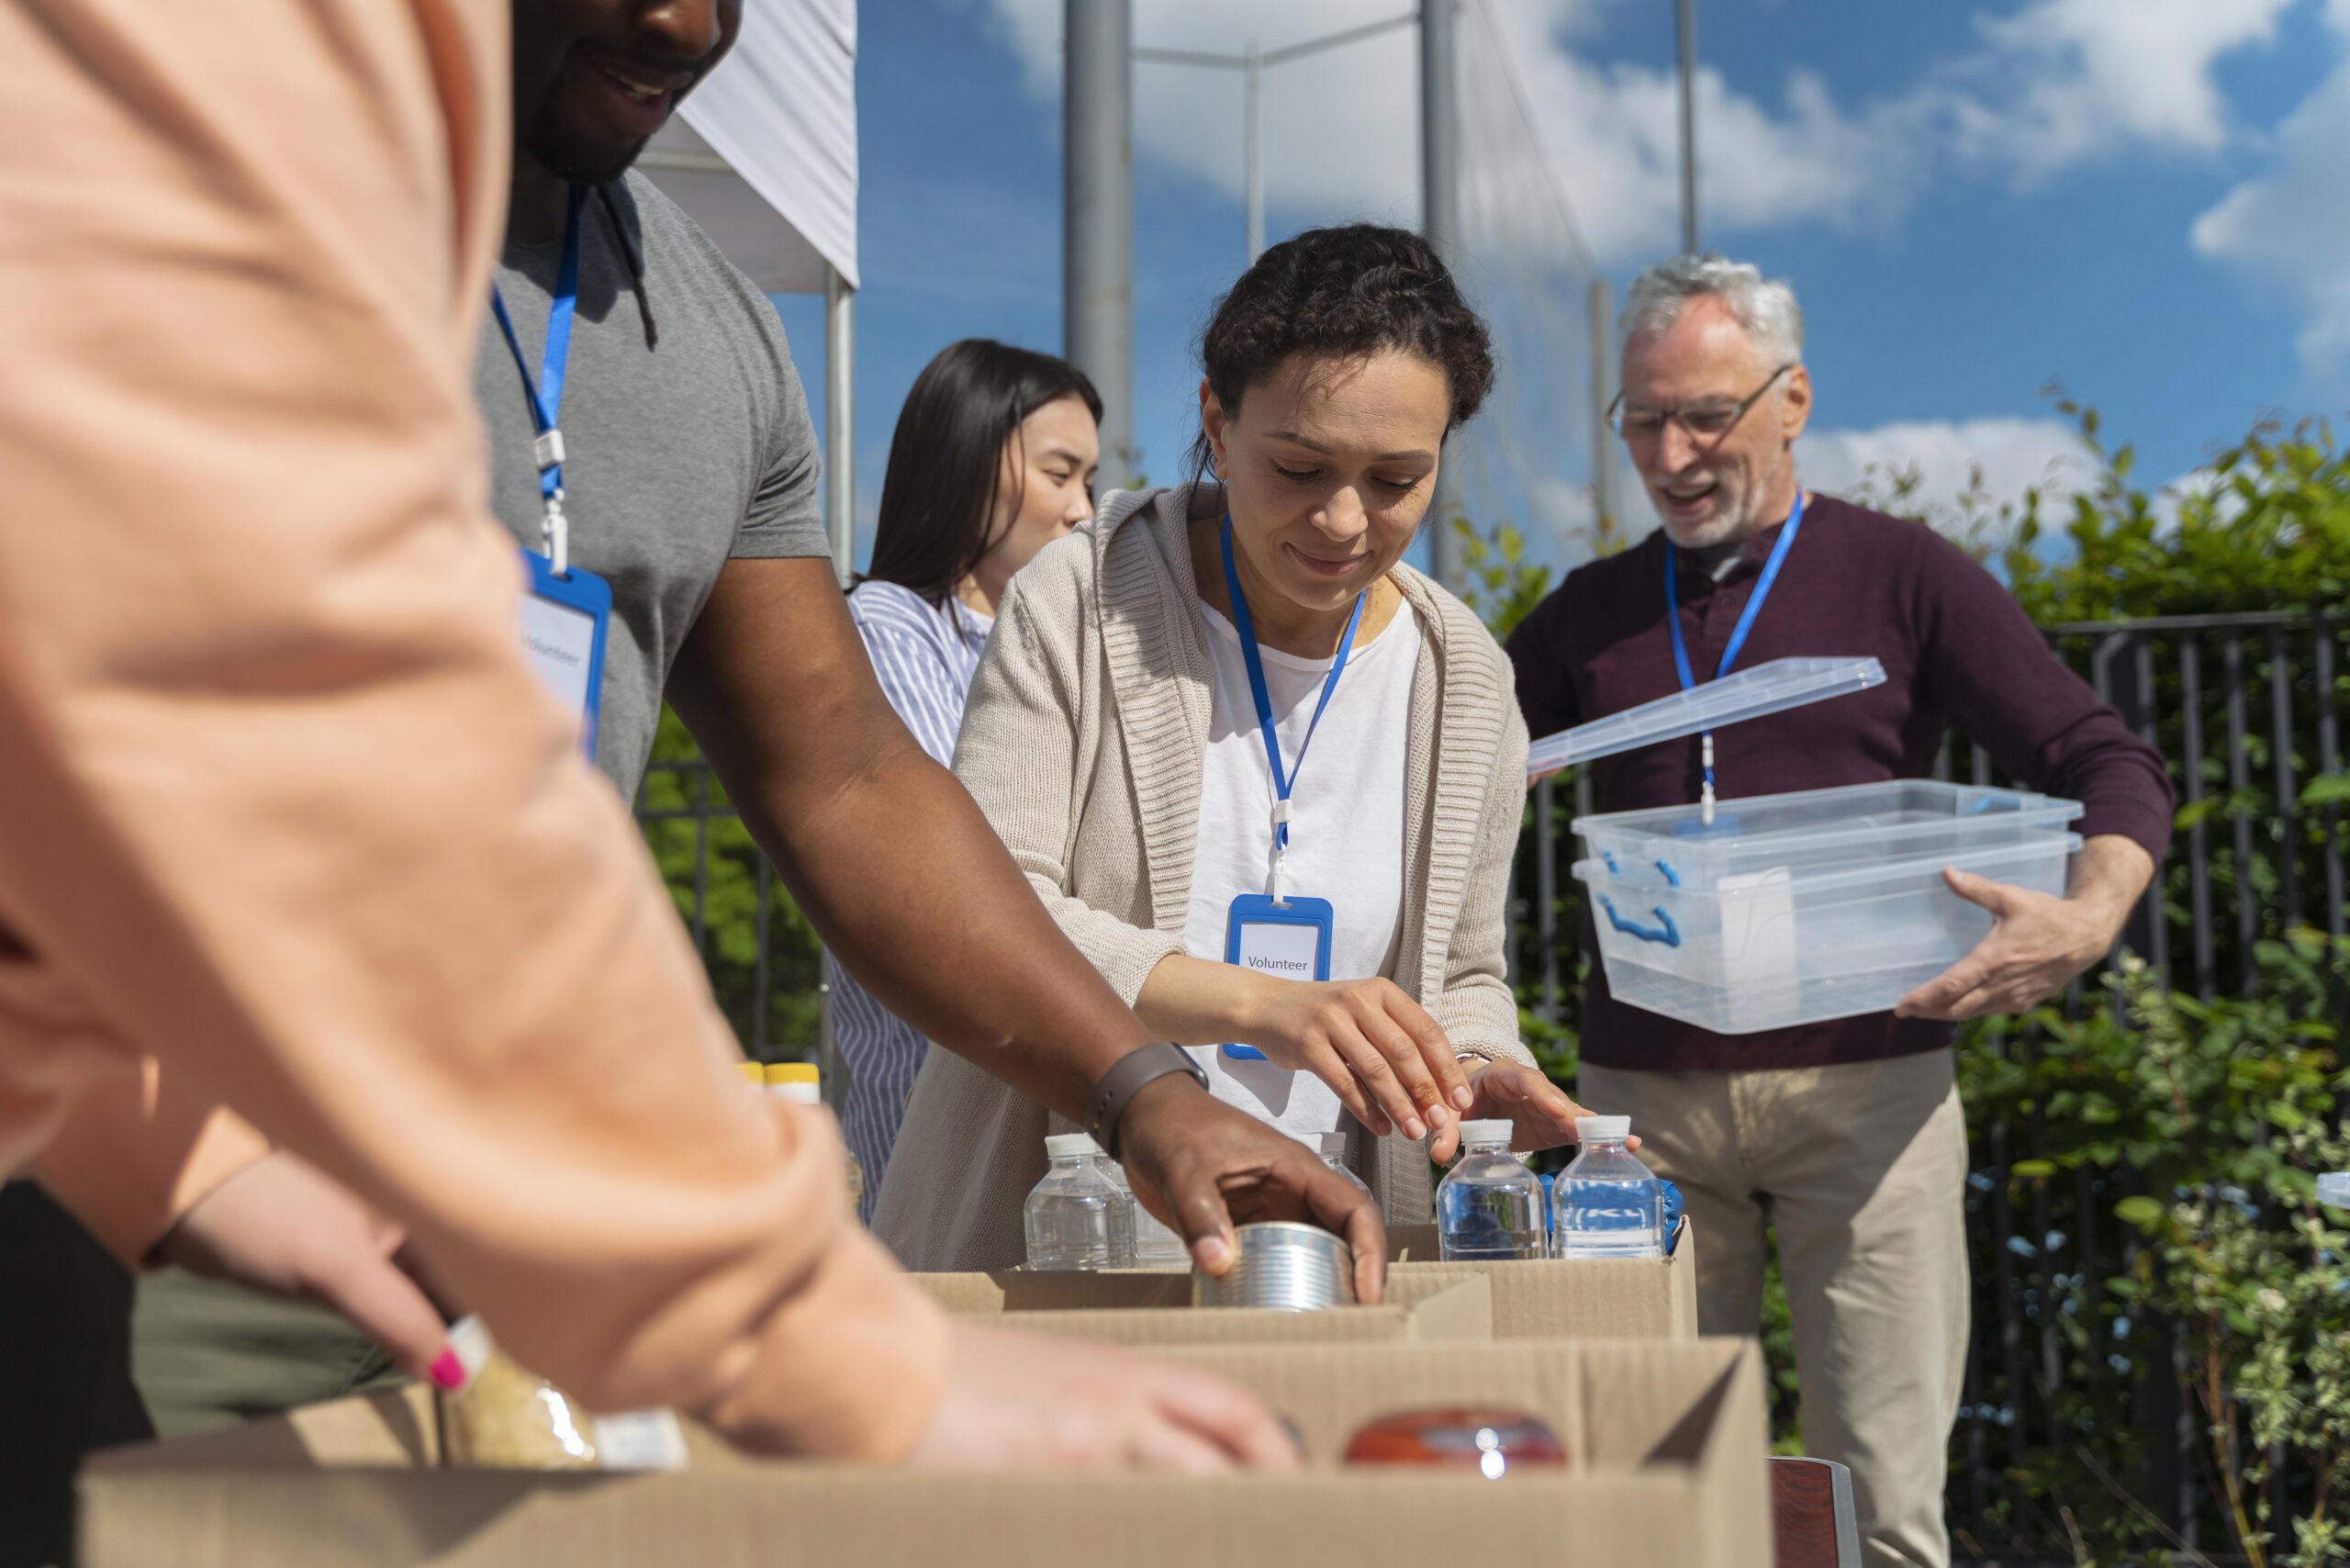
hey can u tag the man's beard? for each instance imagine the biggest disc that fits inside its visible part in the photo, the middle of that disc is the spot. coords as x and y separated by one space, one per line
582 162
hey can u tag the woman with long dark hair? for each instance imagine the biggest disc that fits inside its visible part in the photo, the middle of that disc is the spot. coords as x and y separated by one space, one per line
992 460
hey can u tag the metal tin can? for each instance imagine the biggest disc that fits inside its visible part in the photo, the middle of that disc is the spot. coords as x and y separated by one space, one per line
1284 1266
1491 1441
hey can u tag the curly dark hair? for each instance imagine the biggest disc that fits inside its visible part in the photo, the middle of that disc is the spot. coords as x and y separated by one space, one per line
1339 292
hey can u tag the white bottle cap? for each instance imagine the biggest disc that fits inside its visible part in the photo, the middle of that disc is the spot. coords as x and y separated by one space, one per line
1499 1130
1333 1145
1069 1146
1589 1129
798 1093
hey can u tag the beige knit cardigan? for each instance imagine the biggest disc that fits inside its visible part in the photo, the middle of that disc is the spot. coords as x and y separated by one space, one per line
1084 741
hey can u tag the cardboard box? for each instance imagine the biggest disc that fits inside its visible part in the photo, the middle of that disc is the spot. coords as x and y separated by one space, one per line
1155 1309
1665 1441
1614 1298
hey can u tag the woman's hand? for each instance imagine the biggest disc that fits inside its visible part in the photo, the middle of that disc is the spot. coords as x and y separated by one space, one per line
1538 1109
1387 1060
280 1224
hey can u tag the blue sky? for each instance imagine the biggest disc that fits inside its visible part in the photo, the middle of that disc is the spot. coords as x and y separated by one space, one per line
2140 200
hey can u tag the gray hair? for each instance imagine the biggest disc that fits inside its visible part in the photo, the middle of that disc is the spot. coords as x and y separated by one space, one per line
1764 307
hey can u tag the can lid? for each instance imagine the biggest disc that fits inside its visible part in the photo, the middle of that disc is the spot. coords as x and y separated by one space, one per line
1070 1145
1333 1145
1591 1129
792 1072
1498 1130
469 1338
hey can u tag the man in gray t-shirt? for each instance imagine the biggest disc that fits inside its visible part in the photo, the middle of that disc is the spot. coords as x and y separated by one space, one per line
685 435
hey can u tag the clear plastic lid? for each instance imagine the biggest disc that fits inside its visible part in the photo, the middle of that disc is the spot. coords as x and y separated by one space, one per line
2333 1188
1767 688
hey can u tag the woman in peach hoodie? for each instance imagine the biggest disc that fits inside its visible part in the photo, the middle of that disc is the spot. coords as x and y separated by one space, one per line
288 826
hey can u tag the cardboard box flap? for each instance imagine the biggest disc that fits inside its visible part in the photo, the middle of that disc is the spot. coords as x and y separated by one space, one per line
1615 1405
1609 1298
1016 1289
1457 1309
1666 1440
398 1430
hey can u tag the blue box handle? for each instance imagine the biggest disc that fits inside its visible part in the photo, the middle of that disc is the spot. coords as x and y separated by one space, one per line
1663 931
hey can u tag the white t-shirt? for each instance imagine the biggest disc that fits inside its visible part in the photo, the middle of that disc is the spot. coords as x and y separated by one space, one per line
1346 830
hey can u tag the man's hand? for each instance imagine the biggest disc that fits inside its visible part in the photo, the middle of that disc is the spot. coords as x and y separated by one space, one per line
1019 1401
2038 944
281 1226
1539 1110
1203 1167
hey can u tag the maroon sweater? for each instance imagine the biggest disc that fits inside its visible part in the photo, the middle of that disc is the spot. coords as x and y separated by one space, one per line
1958 652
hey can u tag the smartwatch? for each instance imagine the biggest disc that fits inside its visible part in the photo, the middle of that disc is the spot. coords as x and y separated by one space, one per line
1108 1103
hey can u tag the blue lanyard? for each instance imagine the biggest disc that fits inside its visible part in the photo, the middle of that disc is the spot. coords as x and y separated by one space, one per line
545 389
1738 634
1282 782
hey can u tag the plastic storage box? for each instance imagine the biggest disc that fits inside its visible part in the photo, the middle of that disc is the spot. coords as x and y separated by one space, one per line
1790 909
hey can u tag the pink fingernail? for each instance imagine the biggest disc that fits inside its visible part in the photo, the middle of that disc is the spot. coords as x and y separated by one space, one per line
448 1372
1463 1098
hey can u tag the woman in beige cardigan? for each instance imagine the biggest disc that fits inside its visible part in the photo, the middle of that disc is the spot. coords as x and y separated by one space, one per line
1139 735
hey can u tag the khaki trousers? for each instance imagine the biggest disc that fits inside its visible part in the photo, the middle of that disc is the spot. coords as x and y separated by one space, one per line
1860 1170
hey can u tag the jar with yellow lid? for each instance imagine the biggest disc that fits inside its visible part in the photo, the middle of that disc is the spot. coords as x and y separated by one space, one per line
507 1416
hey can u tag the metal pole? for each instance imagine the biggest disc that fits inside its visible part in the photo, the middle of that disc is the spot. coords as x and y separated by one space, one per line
840 522
1252 132
1603 388
1687 11
840 422
1440 221
1098 216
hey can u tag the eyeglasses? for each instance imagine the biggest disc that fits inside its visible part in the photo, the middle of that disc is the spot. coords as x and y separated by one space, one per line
1704 421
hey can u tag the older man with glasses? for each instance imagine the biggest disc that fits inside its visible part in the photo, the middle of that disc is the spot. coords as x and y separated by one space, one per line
1844 1139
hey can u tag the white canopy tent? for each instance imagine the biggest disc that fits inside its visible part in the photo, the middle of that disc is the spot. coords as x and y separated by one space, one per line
764 158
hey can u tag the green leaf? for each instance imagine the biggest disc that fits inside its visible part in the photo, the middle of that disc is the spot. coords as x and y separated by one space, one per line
2033 1169
2142 1212
2327 790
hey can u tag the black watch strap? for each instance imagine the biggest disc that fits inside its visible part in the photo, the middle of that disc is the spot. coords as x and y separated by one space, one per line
1108 1104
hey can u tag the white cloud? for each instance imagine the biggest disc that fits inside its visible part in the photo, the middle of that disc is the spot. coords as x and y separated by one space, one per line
1341 130
1994 461
2066 81
2052 85
2284 228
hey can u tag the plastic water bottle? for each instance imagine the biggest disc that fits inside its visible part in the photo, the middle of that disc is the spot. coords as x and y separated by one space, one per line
1150 1244
1075 1215
1126 1223
1489 1205
1607 1204
1334 1155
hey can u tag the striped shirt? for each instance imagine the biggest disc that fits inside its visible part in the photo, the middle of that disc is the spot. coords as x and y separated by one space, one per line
925 657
